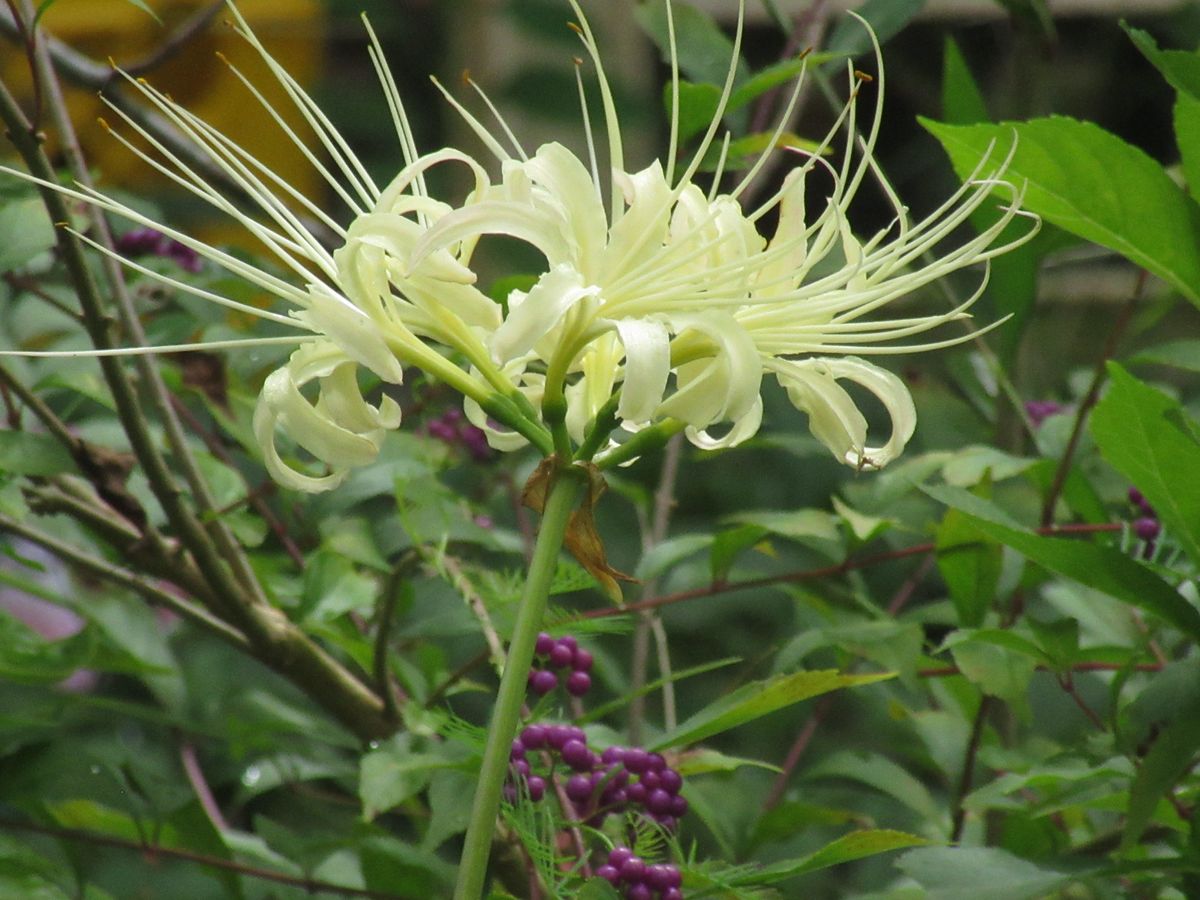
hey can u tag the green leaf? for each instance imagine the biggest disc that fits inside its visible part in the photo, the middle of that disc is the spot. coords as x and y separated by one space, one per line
662 557
981 873
852 846
395 772
814 528
25 232
757 699
704 48
1181 68
886 18
1067 167
1186 115
1140 431
969 565
1103 568
727 545
880 773
23 453
962 102
1177 354
997 669
1172 755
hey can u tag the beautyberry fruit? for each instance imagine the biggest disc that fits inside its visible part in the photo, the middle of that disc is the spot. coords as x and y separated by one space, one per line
639 891
537 787
578 683
560 656
1146 528
544 644
632 870
611 874
533 736
542 681
581 660
579 788
576 755
618 856
670 781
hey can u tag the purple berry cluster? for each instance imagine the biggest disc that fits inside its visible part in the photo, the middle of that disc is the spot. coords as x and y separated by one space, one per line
148 242
621 779
1146 526
562 654
641 881
450 428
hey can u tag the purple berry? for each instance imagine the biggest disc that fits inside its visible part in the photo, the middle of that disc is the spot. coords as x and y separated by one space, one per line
611 874
520 766
537 787
560 656
615 774
674 876
655 763
557 735
576 755
569 642
613 754
1145 528
581 660
576 734
658 877
679 806
618 856
636 792
579 788
518 749
614 797
671 893
670 781
533 736
667 823
544 644
636 760
658 802
542 681
639 891
510 793
632 870
579 683
650 781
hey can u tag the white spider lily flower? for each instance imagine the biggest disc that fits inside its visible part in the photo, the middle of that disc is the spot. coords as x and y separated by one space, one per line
660 304
674 298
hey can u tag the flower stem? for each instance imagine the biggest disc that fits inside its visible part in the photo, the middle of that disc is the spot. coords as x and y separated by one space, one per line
561 496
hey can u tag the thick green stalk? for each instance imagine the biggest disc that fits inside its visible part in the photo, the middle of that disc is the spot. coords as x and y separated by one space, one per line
561 497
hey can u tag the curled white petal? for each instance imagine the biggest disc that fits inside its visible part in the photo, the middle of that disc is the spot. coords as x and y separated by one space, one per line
647 368
835 420
532 315
341 429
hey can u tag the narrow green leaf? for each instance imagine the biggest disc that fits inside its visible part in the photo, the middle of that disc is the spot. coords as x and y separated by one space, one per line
1068 167
604 709
1171 756
877 771
727 545
757 699
704 48
1105 569
962 102
852 846
1140 431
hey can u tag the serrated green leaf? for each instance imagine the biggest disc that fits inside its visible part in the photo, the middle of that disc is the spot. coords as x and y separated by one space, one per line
1181 68
1067 168
852 846
1139 432
755 700
1103 568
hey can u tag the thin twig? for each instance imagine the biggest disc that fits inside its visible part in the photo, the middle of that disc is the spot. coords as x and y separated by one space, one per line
654 532
849 565
803 739
1090 398
195 777
187 31
311 885
967 777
